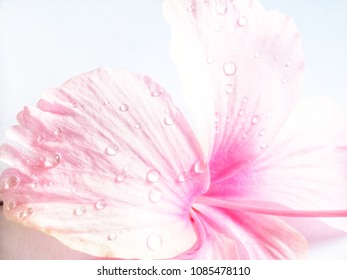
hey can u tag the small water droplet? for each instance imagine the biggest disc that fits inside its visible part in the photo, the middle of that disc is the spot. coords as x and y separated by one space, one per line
262 132
284 80
24 214
229 88
73 105
240 113
183 176
156 92
288 63
11 182
155 195
154 242
58 131
106 102
210 60
80 211
112 236
52 160
137 126
74 190
34 185
255 119
169 120
221 9
200 166
256 54
246 134
153 175
263 146
276 57
123 107
124 231
216 27
111 150
191 8
245 100
229 68
100 204
242 21
11 205
126 168
40 138
121 177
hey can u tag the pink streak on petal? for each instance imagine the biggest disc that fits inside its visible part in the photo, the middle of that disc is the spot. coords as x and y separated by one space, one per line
99 168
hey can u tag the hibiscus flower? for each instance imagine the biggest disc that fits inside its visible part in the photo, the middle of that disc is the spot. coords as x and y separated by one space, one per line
110 167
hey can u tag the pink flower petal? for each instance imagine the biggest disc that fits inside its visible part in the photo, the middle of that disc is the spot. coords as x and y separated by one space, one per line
240 68
302 173
109 166
256 236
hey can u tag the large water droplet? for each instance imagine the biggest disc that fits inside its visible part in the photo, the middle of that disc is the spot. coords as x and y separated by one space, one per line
11 205
112 236
154 242
169 120
153 175
123 107
120 177
111 150
52 160
229 68
255 119
80 211
11 182
183 176
200 166
242 21
58 131
100 204
155 195
221 9
229 88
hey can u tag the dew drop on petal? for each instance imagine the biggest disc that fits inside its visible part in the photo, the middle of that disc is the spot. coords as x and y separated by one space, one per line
229 68
245 134
154 242
191 8
123 107
100 204
120 177
137 126
156 92
200 166
124 231
284 80
169 120
58 131
11 182
216 27
24 214
73 105
240 113
153 175
242 21
106 102
111 150
11 205
183 176
155 195
210 60
256 54
34 185
80 211
245 100
40 138
126 168
255 119
276 57
263 146
112 236
221 9
288 63
229 88
52 160
262 132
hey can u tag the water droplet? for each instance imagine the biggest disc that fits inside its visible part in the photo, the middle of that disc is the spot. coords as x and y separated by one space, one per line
229 68
155 195
288 63
284 80
58 131
156 92
111 150
11 205
112 236
200 166
154 242
169 120
40 138
100 204
246 134
255 119
153 175
73 105
123 107
34 185
242 21
263 146
183 176
121 177
124 231
52 160
126 168
245 100
256 54
262 132
137 126
210 60
221 9
80 211
276 57
240 113
106 102
24 214
11 182
216 27
191 8
229 88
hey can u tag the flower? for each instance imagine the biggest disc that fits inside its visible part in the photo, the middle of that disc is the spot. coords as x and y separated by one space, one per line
110 167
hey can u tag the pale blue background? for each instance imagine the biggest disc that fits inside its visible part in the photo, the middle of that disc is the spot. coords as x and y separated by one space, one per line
43 43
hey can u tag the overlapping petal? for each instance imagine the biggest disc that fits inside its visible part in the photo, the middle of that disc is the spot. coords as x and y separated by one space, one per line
109 166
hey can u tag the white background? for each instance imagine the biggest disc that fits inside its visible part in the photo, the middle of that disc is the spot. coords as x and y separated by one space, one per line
43 43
